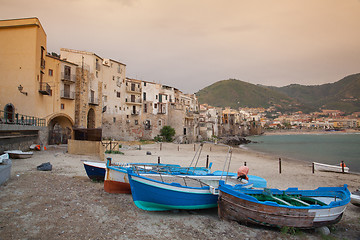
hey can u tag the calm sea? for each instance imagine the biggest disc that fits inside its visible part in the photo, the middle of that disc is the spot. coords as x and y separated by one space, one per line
324 148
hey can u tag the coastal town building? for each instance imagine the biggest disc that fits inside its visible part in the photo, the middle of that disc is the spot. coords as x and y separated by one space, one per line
82 90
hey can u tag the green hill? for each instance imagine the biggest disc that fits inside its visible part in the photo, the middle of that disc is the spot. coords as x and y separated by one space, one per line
235 93
343 95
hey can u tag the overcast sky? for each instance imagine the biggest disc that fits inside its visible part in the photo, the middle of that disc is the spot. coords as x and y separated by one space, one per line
190 44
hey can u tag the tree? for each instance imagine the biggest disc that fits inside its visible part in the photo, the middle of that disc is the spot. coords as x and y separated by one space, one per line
167 133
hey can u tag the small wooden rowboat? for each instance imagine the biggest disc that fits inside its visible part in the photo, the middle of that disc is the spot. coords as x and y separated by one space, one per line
355 198
288 208
18 154
329 168
95 170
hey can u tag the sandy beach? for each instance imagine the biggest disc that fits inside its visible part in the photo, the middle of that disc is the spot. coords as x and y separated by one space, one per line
65 203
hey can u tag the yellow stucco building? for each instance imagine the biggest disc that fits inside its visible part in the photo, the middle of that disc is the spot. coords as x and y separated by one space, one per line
36 88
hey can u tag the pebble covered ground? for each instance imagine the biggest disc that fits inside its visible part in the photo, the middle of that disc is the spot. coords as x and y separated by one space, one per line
59 205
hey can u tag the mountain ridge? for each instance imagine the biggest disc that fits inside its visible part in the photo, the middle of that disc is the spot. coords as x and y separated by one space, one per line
342 95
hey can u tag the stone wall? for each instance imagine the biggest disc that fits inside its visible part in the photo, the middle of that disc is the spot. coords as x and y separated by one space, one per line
80 147
20 137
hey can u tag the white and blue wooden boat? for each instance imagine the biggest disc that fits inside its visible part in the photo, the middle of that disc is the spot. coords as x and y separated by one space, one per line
288 208
166 192
95 170
116 176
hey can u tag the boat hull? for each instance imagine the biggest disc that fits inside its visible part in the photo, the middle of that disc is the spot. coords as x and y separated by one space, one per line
329 168
232 207
355 198
116 180
95 171
157 196
16 154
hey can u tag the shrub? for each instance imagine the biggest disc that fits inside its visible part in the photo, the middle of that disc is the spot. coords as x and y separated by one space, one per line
167 133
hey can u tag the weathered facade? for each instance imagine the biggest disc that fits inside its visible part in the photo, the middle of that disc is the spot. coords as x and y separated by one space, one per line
33 84
80 89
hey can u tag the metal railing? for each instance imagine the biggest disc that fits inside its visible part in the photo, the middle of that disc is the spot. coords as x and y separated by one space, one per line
133 89
93 101
20 119
67 94
45 88
129 101
66 77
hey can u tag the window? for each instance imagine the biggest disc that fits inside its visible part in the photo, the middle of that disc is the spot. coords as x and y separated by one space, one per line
114 119
118 94
67 72
156 96
104 86
136 122
119 69
144 83
147 125
67 90
144 96
145 108
113 78
97 74
159 122
155 105
105 98
50 72
62 106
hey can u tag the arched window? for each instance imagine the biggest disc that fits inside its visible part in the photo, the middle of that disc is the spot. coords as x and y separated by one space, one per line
9 112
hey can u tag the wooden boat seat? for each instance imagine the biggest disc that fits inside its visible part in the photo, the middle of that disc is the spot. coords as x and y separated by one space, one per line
287 200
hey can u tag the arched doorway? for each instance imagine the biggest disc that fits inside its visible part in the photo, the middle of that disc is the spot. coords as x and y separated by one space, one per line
91 118
9 112
60 128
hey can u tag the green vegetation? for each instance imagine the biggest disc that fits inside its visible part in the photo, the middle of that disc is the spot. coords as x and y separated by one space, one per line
166 134
113 152
291 231
342 95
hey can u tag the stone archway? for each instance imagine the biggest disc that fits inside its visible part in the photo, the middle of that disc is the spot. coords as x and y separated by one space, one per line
60 128
9 113
91 118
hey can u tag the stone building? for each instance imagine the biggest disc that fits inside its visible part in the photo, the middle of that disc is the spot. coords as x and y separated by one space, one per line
88 95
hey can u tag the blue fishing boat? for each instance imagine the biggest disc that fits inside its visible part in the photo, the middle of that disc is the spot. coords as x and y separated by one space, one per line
116 177
166 192
283 208
159 192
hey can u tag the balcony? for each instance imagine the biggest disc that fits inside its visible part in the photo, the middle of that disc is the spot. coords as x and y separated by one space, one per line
45 89
68 78
67 95
135 112
42 63
132 89
133 102
93 101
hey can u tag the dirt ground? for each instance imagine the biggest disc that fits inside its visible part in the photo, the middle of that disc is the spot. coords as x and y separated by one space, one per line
66 204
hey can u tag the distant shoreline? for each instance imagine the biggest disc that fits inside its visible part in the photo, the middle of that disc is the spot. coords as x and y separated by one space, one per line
300 132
